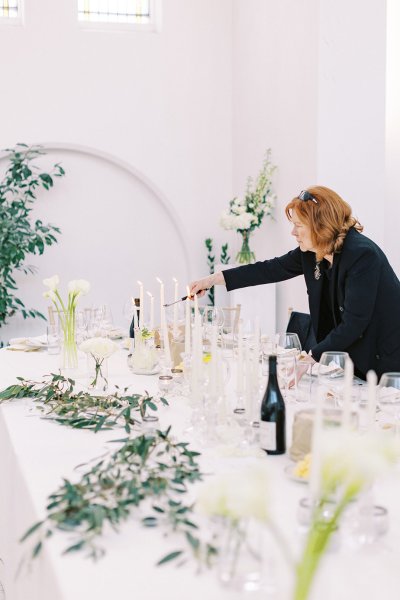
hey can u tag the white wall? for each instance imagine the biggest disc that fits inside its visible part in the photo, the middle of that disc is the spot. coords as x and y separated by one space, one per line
351 107
275 105
160 102
392 238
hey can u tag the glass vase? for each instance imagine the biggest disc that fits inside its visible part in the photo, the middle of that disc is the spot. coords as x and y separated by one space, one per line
98 375
241 562
245 256
69 351
144 359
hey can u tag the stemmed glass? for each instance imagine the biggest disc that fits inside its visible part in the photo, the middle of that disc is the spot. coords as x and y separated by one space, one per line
288 341
389 397
331 374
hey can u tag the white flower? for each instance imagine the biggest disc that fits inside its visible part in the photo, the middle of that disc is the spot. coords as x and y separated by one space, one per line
226 220
352 460
236 495
52 282
99 347
78 286
50 295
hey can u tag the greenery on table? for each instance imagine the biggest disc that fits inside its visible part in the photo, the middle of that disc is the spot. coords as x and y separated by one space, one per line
20 236
60 402
151 467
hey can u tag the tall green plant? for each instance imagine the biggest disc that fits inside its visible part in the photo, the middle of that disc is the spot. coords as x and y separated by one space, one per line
20 235
224 258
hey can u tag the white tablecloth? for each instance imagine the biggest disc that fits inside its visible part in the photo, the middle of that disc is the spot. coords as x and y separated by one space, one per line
35 455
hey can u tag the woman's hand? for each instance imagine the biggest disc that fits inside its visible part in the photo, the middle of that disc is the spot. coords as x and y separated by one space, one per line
200 286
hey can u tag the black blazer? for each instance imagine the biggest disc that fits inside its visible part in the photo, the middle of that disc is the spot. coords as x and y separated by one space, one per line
365 296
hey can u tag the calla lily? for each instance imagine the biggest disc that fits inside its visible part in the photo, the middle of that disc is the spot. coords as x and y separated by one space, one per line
78 286
52 282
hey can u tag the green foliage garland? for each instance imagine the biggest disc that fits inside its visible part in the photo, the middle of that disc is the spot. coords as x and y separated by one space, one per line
59 402
150 466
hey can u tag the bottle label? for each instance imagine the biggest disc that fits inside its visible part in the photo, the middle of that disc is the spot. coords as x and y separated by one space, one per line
268 435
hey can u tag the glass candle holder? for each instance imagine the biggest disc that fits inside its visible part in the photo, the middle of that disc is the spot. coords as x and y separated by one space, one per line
165 383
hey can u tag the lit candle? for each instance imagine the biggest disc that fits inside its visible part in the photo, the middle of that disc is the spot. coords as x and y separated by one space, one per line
315 472
167 349
187 322
161 302
372 381
141 305
347 389
239 365
151 325
176 298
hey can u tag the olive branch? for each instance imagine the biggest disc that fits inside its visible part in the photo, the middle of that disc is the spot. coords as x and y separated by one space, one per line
59 402
148 467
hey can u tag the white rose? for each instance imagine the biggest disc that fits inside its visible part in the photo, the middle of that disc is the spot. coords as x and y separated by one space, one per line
99 347
244 221
52 282
236 495
78 286
226 220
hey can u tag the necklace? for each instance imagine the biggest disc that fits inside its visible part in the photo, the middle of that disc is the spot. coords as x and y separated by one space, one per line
317 271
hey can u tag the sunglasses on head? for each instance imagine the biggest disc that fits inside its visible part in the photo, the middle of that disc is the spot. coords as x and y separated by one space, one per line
305 196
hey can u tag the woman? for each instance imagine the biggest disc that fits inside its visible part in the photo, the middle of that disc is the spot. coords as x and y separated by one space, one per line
354 294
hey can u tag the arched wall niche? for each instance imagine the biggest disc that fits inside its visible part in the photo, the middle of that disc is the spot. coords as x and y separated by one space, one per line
117 228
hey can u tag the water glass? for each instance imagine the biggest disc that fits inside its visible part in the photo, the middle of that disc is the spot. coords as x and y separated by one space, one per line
53 337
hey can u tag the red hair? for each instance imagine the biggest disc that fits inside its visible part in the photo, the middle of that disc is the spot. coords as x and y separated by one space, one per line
329 219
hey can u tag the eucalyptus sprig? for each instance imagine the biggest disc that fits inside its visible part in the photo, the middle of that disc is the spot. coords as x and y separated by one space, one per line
57 398
150 467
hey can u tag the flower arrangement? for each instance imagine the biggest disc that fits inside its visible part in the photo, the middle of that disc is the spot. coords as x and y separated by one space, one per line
247 214
66 313
99 349
349 464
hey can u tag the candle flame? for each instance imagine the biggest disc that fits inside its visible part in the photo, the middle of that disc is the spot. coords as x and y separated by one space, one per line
139 282
174 279
159 280
188 290
149 294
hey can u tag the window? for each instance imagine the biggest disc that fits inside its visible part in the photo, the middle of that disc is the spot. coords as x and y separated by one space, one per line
116 11
9 9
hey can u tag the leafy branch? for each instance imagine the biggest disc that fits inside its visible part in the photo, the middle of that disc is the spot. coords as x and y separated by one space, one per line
148 467
19 235
59 402
211 264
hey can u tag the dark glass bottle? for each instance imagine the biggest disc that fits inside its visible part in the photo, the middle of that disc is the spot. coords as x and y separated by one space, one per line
273 415
132 325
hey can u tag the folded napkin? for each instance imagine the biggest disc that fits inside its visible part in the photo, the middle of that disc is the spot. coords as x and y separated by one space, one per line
28 344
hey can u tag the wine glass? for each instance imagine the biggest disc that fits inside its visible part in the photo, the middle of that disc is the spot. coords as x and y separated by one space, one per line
389 397
288 341
331 374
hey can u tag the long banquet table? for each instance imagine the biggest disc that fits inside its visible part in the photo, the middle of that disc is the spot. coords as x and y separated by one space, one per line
36 454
